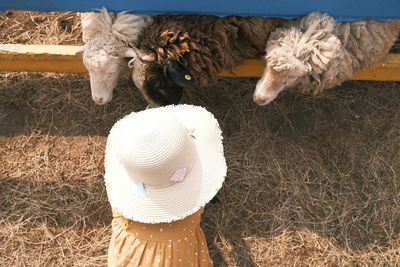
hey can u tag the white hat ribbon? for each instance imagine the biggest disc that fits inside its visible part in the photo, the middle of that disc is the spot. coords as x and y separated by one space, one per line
140 190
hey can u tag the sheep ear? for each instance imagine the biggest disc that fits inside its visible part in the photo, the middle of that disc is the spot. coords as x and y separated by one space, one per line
316 78
179 75
130 53
143 56
80 51
149 57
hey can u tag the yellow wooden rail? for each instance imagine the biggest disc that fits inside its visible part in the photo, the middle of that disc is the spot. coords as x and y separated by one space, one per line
60 58
42 58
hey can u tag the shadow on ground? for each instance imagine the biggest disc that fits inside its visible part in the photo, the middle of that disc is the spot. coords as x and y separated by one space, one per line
307 175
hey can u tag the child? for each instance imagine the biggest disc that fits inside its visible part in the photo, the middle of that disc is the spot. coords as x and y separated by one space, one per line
162 166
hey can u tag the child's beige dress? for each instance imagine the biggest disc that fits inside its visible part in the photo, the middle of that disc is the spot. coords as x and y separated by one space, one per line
177 244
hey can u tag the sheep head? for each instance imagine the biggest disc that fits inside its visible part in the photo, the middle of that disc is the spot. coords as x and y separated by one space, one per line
106 52
298 57
160 84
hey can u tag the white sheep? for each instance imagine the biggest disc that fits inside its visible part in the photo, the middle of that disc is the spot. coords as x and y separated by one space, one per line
317 53
108 40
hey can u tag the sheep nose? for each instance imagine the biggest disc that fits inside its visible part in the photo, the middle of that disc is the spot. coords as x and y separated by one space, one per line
102 100
263 99
259 100
98 100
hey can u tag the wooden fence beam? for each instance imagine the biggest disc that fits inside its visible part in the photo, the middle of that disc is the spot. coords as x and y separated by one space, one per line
40 58
61 58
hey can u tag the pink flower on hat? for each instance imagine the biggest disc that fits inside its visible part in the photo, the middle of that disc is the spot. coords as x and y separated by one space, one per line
179 175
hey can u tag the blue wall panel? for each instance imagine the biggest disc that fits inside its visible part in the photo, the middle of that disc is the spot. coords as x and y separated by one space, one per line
341 9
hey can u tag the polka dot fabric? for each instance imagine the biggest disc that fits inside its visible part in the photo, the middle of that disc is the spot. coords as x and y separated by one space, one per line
176 244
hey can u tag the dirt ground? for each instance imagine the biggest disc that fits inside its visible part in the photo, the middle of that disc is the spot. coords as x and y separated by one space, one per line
312 181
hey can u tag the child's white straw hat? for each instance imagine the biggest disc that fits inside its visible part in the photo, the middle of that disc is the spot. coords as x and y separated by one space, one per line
164 164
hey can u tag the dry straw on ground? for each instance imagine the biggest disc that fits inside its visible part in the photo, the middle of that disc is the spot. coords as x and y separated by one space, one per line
21 27
311 180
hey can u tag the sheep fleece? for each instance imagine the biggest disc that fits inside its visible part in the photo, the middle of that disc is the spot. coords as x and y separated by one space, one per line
206 45
361 44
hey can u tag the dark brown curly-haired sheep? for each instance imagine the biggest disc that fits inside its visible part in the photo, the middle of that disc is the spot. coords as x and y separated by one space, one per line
189 51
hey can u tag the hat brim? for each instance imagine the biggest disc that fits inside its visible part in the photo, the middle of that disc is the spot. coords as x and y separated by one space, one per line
162 204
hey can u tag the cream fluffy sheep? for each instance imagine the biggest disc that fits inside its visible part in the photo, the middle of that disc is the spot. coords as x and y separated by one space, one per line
317 53
108 38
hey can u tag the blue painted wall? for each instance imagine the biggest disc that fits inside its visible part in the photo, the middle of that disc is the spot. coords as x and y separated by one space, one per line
341 9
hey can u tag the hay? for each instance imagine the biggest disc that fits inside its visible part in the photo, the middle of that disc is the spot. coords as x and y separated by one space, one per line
29 27
311 180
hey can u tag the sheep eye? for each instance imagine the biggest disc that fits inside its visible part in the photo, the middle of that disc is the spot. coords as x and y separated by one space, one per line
114 54
161 91
188 77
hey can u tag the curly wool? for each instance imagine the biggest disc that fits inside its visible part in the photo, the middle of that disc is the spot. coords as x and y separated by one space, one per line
331 50
108 39
206 45
122 26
